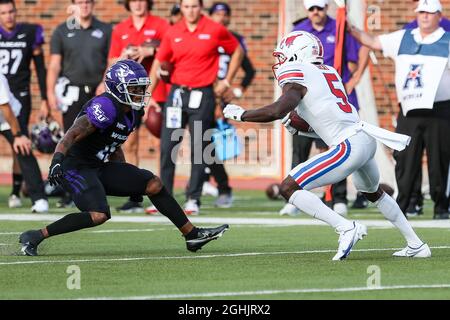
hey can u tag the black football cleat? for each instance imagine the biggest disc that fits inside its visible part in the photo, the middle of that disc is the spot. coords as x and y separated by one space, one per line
203 236
30 240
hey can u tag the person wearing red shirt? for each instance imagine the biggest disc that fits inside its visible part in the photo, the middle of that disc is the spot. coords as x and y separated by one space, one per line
138 38
191 46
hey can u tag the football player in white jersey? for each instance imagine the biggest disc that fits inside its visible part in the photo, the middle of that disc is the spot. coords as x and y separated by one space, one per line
317 94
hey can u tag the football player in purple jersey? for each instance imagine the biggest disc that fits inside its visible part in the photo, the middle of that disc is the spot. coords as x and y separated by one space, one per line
90 164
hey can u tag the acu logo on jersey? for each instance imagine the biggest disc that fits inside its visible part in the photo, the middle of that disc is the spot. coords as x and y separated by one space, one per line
414 76
98 113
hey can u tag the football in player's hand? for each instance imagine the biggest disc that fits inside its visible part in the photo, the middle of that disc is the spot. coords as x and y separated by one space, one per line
298 123
154 121
273 191
165 71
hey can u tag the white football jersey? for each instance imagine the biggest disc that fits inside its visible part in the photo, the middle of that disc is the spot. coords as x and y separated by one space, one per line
325 106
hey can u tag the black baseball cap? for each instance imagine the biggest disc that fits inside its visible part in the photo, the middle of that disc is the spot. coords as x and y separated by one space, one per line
217 6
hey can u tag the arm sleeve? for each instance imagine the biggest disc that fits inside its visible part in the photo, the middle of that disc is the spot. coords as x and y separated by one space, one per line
390 43
249 72
290 73
41 72
115 48
39 39
227 41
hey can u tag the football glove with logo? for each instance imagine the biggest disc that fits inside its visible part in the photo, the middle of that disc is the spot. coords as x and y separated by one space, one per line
55 173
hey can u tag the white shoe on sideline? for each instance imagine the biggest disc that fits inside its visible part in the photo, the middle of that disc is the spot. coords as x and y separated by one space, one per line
348 238
40 206
191 207
289 209
341 209
14 201
421 252
209 190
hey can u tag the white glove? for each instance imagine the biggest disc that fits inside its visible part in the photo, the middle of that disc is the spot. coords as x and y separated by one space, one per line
233 112
287 124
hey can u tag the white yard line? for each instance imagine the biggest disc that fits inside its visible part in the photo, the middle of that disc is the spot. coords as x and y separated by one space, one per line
243 254
443 224
272 292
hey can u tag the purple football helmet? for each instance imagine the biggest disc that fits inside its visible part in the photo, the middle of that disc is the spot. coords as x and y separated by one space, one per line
45 136
127 81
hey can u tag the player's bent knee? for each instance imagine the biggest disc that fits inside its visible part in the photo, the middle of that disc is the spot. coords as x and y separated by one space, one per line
154 186
288 187
100 217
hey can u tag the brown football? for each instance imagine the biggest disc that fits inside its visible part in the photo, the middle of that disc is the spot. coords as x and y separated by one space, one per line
387 188
298 123
273 191
165 71
154 121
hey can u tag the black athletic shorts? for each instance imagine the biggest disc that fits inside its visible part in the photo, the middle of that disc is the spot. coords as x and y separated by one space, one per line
89 186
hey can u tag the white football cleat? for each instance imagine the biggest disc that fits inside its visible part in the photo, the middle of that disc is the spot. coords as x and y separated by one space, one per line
421 252
340 208
191 207
14 201
348 238
289 209
40 206
209 190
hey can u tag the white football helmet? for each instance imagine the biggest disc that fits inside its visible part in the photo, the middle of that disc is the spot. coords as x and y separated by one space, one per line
298 46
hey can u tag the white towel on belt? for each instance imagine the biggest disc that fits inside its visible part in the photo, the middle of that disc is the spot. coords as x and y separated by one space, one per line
393 140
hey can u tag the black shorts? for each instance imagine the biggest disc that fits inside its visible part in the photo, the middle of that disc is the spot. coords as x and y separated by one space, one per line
90 186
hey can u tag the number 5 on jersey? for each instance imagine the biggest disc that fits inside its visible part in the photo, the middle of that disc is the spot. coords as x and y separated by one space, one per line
338 93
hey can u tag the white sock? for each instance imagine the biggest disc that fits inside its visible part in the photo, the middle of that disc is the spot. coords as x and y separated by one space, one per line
311 204
391 211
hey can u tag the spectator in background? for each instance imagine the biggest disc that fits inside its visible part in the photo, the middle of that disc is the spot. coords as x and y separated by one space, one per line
415 206
355 61
192 97
220 12
422 79
76 71
21 145
21 43
175 14
138 38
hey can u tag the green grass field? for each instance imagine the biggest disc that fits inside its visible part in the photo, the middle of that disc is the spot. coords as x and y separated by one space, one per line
263 256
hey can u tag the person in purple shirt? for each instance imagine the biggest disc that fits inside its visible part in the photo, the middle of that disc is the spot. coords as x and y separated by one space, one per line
89 163
355 61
